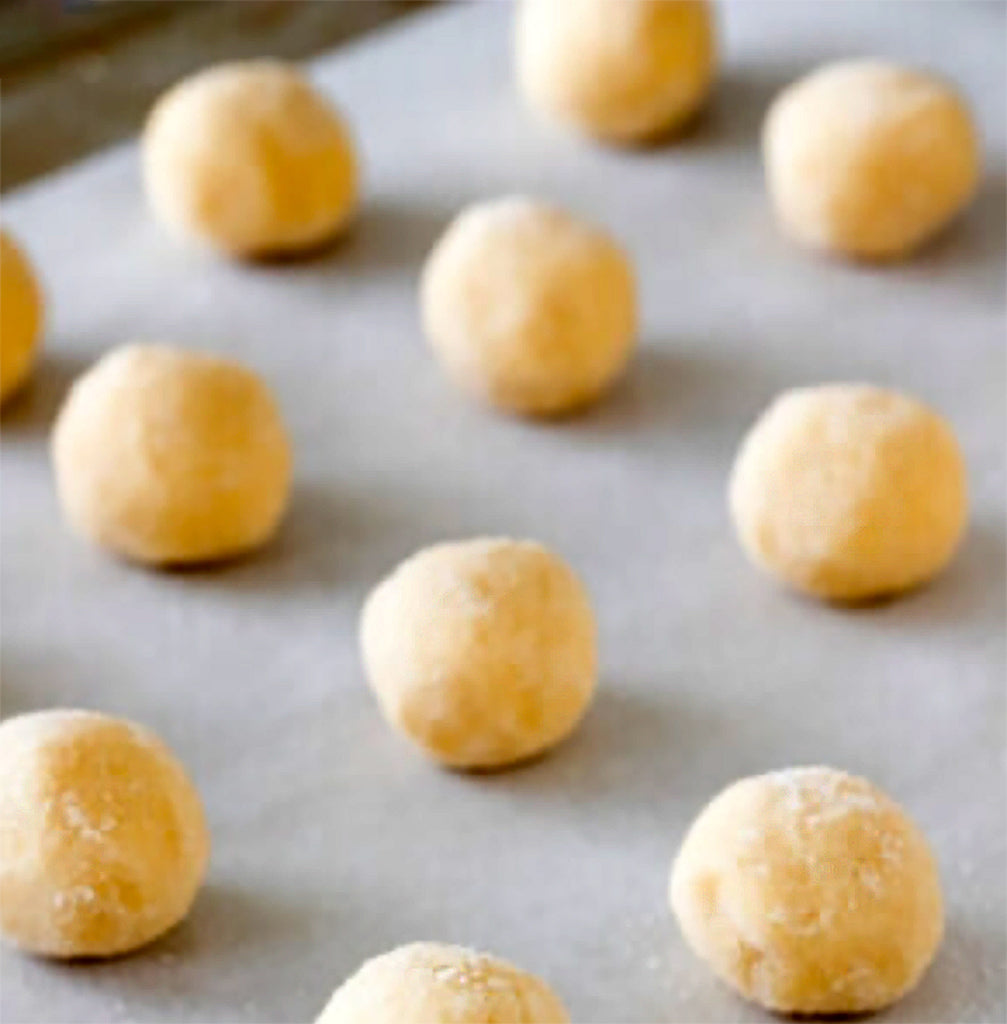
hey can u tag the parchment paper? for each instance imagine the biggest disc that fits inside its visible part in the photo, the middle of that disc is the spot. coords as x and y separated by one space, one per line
333 839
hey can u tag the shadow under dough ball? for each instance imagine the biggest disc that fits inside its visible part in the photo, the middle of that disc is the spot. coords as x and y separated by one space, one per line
482 652
248 158
869 159
169 457
432 983
103 841
809 891
622 71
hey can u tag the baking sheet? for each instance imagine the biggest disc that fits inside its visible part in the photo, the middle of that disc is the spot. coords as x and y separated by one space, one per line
333 840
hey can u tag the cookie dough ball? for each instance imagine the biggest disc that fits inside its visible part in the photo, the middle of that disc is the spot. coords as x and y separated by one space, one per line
869 159
170 457
430 983
103 843
849 492
20 317
528 308
249 158
482 652
620 70
809 891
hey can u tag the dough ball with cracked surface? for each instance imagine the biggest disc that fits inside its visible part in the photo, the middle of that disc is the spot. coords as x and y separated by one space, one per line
21 314
869 159
809 891
619 70
249 158
482 652
432 983
171 457
527 307
849 492
103 842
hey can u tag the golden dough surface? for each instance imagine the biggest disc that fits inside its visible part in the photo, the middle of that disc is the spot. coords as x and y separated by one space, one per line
809 891
433 983
849 492
869 159
482 652
620 70
249 158
103 842
169 457
527 307
21 314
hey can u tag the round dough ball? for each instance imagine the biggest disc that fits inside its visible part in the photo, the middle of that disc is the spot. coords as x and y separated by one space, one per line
528 308
103 842
430 983
170 457
20 317
249 158
869 159
849 492
620 70
809 891
482 652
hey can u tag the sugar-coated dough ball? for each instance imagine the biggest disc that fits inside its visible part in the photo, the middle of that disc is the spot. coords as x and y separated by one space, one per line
20 316
849 492
250 159
103 842
809 891
171 457
482 652
430 983
620 70
527 307
869 159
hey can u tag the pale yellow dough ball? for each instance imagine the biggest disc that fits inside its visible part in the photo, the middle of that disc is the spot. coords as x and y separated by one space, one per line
482 652
620 70
20 317
103 842
869 159
170 457
528 308
431 983
809 891
250 159
849 492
